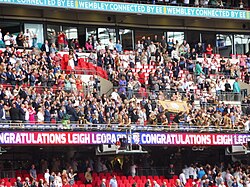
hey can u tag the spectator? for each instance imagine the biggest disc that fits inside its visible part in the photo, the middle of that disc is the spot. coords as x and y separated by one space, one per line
118 47
88 46
201 173
198 69
14 113
236 89
155 184
113 182
46 176
148 183
71 177
171 171
103 184
45 47
209 50
7 39
61 41
111 45
33 173
88 176
183 178
19 182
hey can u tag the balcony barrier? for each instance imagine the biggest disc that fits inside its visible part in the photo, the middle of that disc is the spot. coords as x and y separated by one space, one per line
172 127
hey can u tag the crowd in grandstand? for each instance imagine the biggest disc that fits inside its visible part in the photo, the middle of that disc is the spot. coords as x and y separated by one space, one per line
157 70
125 173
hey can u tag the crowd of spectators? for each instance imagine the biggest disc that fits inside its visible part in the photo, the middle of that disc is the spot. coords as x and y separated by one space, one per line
219 175
34 88
98 172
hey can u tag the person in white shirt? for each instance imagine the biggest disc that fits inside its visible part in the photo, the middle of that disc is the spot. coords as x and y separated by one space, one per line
222 184
71 62
133 169
27 33
27 114
222 85
139 47
91 84
247 125
46 176
1 35
175 54
115 95
99 46
40 116
186 172
111 45
58 180
182 178
155 184
185 85
152 48
214 66
195 173
3 111
7 39
142 116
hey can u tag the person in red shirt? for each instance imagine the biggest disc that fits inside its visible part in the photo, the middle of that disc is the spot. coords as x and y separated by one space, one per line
141 77
60 39
209 51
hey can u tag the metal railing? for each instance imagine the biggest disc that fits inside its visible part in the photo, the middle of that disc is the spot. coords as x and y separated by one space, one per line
220 96
174 127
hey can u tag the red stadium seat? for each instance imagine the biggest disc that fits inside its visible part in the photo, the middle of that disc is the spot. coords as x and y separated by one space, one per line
26 175
81 176
8 184
82 185
130 177
162 177
150 177
79 183
12 181
94 175
156 177
125 181
175 177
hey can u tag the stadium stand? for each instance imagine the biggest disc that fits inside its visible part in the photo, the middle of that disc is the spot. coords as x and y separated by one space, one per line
45 86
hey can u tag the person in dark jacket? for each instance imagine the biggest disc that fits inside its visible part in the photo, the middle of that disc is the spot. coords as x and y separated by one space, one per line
14 113
18 182
47 115
22 113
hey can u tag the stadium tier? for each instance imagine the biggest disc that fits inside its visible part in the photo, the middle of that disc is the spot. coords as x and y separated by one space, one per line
124 93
